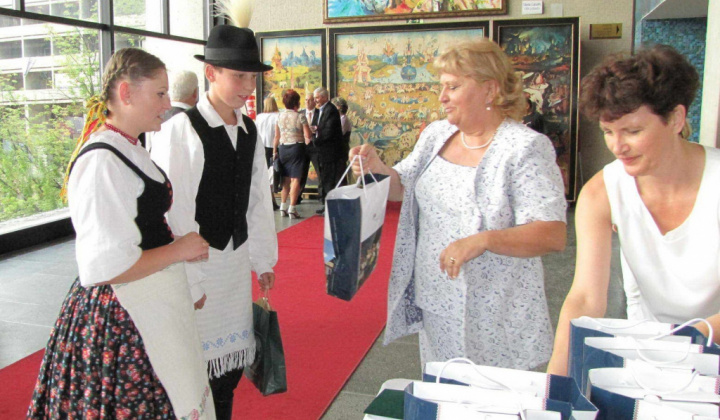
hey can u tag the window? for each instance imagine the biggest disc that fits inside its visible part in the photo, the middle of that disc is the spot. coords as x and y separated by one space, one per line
8 21
11 81
10 49
48 70
38 80
39 47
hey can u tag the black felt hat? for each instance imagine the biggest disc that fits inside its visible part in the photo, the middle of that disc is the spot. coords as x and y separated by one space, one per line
233 48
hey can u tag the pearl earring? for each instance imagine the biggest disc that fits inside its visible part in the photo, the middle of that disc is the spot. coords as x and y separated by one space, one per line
488 108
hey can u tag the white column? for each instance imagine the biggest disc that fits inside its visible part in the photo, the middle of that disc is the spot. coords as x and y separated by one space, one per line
710 114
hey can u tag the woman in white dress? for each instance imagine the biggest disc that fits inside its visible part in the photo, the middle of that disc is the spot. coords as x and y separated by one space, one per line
660 195
125 345
483 199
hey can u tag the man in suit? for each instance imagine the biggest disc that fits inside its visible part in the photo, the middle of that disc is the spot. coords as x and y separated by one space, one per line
184 92
326 148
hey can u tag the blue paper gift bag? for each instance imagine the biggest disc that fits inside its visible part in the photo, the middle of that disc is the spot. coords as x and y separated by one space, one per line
354 217
619 393
584 327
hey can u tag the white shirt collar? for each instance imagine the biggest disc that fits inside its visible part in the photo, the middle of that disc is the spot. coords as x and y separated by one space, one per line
178 104
213 118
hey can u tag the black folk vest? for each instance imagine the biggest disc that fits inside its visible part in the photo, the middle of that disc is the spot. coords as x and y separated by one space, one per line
222 200
152 204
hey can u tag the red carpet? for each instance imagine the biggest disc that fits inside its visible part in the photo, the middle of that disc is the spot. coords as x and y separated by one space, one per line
325 338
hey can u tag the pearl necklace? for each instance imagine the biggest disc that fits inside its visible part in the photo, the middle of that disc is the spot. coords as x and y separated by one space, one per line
127 136
462 139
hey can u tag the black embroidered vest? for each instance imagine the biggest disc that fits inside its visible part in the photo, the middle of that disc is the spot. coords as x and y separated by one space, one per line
152 204
222 200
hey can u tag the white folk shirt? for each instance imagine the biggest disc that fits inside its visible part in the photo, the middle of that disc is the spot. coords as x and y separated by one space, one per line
102 196
178 150
225 322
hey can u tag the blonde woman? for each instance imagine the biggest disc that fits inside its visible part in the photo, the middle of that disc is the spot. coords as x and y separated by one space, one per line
125 343
482 201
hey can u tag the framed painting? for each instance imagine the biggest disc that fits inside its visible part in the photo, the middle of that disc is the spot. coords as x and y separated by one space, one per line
297 58
386 76
368 10
546 52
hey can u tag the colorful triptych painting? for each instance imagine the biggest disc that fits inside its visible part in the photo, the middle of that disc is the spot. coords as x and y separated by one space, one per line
386 76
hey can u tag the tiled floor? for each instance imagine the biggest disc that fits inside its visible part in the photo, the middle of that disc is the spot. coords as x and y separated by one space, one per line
34 282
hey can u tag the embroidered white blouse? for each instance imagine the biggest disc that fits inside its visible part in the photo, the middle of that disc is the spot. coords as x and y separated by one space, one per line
102 196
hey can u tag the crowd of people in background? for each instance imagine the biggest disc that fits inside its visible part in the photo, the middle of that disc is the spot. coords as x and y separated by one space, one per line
168 235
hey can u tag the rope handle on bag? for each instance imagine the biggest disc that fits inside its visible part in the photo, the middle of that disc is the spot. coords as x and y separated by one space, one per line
643 321
649 389
656 362
361 177
482 375
688 323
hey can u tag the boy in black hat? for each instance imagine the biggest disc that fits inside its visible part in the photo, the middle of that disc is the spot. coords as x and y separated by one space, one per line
216 164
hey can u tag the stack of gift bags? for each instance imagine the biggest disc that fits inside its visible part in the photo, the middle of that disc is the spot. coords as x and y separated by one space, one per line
644 370
619 370
460 390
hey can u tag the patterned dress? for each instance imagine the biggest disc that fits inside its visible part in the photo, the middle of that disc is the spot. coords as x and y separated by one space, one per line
495 312
96 363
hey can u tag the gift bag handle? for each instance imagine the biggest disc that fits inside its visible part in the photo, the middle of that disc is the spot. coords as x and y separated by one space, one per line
482 375
687 324
643 321
652 361
650 389
361 177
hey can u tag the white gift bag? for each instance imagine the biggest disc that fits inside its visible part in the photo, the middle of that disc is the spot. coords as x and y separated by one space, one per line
563 389
354 217
617 392
432 401
585 327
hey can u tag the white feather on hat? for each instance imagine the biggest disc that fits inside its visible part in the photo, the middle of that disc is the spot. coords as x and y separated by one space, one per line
238 11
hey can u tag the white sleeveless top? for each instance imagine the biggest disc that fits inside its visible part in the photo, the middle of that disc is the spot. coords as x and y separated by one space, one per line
673 277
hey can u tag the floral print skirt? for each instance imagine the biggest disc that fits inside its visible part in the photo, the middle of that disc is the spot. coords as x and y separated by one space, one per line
95 364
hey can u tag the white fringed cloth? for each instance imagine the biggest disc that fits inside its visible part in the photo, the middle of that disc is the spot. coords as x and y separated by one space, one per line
225 323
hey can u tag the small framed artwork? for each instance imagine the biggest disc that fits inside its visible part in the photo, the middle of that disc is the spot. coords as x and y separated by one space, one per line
298 60
385 74
546 52
369 10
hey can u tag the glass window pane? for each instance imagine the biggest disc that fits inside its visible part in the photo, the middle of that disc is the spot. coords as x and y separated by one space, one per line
7 3
8 21
186 18
10 49
42 111
140 14
71 9
39 47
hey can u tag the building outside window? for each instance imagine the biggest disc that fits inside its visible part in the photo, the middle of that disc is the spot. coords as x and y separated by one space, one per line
48 68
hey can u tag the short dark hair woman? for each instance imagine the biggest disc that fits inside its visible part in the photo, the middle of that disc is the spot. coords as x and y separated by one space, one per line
292 133
660 195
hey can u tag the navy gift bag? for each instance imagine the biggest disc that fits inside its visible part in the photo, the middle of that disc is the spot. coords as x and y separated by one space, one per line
354 217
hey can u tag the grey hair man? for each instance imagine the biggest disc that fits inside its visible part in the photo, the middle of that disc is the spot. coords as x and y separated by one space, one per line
326 149
184 92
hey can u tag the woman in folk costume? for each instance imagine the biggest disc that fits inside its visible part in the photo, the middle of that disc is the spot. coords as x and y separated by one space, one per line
125 345
216 161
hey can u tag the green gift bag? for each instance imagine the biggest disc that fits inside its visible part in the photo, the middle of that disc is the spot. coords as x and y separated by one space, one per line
267 372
